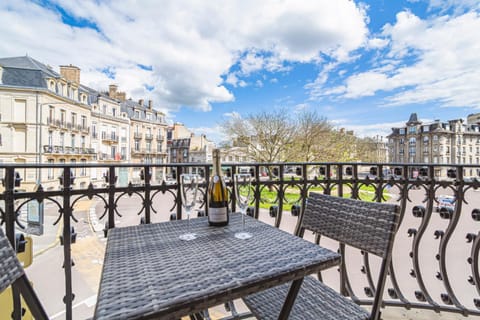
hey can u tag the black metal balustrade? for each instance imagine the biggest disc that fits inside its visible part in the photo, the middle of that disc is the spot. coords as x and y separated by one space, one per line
442 238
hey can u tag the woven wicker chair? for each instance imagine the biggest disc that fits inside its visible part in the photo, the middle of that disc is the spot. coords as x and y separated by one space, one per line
12 273
364 225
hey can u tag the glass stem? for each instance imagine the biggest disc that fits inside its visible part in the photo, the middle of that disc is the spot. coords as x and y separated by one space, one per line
243 220
188 222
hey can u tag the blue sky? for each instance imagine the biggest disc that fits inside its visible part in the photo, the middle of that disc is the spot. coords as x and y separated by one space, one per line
364 65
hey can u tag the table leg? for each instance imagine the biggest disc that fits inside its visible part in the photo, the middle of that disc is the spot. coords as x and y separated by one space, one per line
290 299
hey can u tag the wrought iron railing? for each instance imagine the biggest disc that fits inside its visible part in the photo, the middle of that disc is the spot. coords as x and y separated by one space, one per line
436 257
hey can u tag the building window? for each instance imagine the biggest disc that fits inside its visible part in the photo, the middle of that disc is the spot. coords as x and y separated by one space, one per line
402 131
74 170
412 141
137 145
425 140
402 141
83 170
412 130
50 173
63 117
426 128
114 112
62 139
74 119
137 114
84 122
51 114
73 141
1 139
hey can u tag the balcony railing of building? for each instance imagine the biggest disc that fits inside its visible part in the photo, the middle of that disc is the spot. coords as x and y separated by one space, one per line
148 136
67 150
160 137
52 122
113 138
137 135
436 257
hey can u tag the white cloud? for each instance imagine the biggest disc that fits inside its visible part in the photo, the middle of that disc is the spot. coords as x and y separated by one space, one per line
232 114
214 134
433 60
369 130
458 6
190 45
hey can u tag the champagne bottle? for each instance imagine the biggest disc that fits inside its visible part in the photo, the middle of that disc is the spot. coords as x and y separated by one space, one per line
217 195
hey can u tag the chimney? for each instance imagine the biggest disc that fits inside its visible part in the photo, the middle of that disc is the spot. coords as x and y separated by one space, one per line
71 73
150 104
112 91
121 96
140 102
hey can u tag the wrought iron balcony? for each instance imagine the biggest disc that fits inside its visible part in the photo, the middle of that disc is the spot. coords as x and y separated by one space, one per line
148 136
436 256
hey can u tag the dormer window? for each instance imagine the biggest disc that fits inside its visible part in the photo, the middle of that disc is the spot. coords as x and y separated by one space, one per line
51 85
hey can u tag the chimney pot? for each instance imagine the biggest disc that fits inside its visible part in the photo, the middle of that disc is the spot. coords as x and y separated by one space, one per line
140 102
71 73
150 104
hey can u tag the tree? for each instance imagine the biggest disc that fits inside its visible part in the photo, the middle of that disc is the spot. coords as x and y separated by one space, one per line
267 136
311 133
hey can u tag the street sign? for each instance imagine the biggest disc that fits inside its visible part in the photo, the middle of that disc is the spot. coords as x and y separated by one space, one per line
35 218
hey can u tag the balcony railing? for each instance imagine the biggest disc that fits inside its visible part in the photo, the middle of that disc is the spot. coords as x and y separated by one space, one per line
109 137
433 266
148 136
137 135
67 150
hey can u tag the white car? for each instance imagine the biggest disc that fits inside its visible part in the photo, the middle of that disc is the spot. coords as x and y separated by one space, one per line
445 201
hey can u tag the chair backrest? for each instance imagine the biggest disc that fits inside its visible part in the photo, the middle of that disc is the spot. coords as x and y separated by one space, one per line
368 226
10 267
12 273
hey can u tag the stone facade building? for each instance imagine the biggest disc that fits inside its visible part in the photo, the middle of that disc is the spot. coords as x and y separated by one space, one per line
50 117
450 142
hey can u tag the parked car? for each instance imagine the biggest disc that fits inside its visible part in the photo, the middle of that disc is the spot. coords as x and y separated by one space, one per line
445 201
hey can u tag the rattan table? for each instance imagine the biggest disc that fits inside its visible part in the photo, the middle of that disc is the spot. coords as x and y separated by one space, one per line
149 272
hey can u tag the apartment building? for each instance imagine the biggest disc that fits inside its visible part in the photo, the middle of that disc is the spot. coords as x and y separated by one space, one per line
449 142
186 147
50 117
148 130
44 118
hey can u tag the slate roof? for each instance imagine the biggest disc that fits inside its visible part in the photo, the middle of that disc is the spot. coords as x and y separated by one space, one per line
25 72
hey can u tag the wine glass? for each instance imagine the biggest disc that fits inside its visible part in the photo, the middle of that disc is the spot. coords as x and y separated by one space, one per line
243 195
188 191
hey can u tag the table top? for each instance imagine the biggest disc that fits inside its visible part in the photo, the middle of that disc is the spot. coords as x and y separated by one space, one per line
149 272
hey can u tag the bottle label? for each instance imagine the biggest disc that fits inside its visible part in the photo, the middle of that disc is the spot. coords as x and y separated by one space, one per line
217 214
